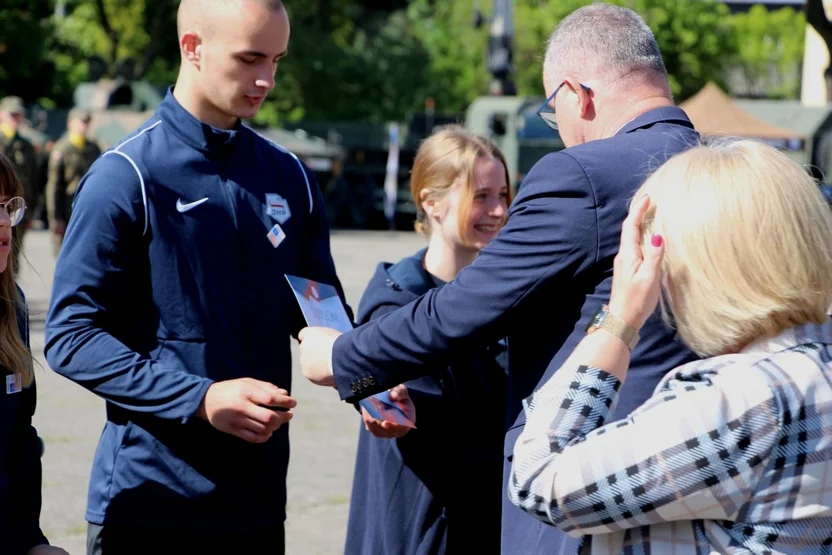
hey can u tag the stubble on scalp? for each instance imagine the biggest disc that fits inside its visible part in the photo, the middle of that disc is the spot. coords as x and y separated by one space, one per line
204 17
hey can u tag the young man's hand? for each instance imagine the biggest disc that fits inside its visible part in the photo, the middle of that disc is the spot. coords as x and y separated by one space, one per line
242 408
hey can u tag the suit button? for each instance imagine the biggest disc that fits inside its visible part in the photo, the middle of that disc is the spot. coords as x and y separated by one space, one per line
366 382
372 380
353 388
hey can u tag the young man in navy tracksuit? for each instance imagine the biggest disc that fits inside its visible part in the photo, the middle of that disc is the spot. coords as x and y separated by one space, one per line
170 301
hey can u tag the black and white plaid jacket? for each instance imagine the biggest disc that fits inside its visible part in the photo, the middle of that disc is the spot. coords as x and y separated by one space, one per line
731 455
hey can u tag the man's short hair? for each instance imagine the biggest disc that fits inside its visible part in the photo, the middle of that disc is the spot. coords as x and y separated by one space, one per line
605 41
190 9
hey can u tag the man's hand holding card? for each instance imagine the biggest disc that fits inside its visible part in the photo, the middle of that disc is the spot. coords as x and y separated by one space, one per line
387 414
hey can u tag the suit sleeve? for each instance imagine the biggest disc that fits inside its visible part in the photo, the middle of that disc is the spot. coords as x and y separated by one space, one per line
551 233
317 263
429 396
97 269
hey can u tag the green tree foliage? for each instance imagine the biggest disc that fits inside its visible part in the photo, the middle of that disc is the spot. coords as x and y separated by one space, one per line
700 41
357 63
693 35
109 38
380 60
695 39
534 21
455 73
770 51
24 30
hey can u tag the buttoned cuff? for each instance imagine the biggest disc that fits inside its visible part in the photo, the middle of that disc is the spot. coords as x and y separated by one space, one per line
358 386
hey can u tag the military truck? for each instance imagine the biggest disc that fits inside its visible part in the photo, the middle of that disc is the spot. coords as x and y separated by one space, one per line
118 107
355 194
510 121
513 124
812 125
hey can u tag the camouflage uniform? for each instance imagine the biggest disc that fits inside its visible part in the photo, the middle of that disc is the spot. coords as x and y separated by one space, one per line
67 165
23 157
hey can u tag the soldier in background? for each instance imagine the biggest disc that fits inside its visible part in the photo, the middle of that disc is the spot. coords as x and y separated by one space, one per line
22 155
40 219
71 157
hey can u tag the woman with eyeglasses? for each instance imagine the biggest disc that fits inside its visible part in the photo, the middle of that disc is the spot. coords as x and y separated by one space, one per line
20 447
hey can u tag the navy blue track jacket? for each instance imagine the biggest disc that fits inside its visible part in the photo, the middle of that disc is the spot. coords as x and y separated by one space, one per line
168 281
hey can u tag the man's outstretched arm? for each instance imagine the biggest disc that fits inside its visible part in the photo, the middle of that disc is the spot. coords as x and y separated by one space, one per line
551 234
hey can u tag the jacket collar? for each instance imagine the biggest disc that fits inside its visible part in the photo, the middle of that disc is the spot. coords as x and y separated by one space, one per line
410 274
799 335
195 133
665 114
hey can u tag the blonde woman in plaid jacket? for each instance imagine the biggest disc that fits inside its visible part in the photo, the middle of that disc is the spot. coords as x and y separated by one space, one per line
732 453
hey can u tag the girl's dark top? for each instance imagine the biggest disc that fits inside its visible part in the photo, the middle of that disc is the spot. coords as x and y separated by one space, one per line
20 471
438 489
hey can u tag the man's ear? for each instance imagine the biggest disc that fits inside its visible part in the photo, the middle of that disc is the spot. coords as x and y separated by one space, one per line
582 96
191 46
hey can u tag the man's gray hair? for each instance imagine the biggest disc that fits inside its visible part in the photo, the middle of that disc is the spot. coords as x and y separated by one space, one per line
604 41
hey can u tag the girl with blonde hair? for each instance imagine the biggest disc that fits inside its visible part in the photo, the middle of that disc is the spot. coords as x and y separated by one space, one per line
732 453
20 447
412 494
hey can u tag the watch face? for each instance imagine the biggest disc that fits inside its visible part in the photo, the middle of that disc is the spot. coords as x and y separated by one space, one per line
597 319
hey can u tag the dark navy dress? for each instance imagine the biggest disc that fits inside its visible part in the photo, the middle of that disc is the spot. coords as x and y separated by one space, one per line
438 489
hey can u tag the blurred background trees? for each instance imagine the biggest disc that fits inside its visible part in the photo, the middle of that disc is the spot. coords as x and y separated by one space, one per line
377 61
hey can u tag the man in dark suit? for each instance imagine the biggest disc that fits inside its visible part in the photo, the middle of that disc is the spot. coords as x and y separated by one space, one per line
549 271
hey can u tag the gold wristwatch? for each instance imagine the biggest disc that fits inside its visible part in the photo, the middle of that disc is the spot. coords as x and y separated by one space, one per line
603 320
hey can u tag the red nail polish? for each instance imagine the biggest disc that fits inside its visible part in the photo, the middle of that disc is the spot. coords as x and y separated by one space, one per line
656 240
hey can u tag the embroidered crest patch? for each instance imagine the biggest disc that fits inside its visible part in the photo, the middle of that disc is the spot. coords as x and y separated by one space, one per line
277 208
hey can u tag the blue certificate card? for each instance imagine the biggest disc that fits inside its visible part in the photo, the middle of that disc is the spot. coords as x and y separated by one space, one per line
321 306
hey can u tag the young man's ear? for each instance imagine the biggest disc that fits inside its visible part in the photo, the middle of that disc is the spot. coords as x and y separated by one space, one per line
191 47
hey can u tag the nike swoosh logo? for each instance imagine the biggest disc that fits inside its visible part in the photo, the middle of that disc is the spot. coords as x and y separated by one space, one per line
182 208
